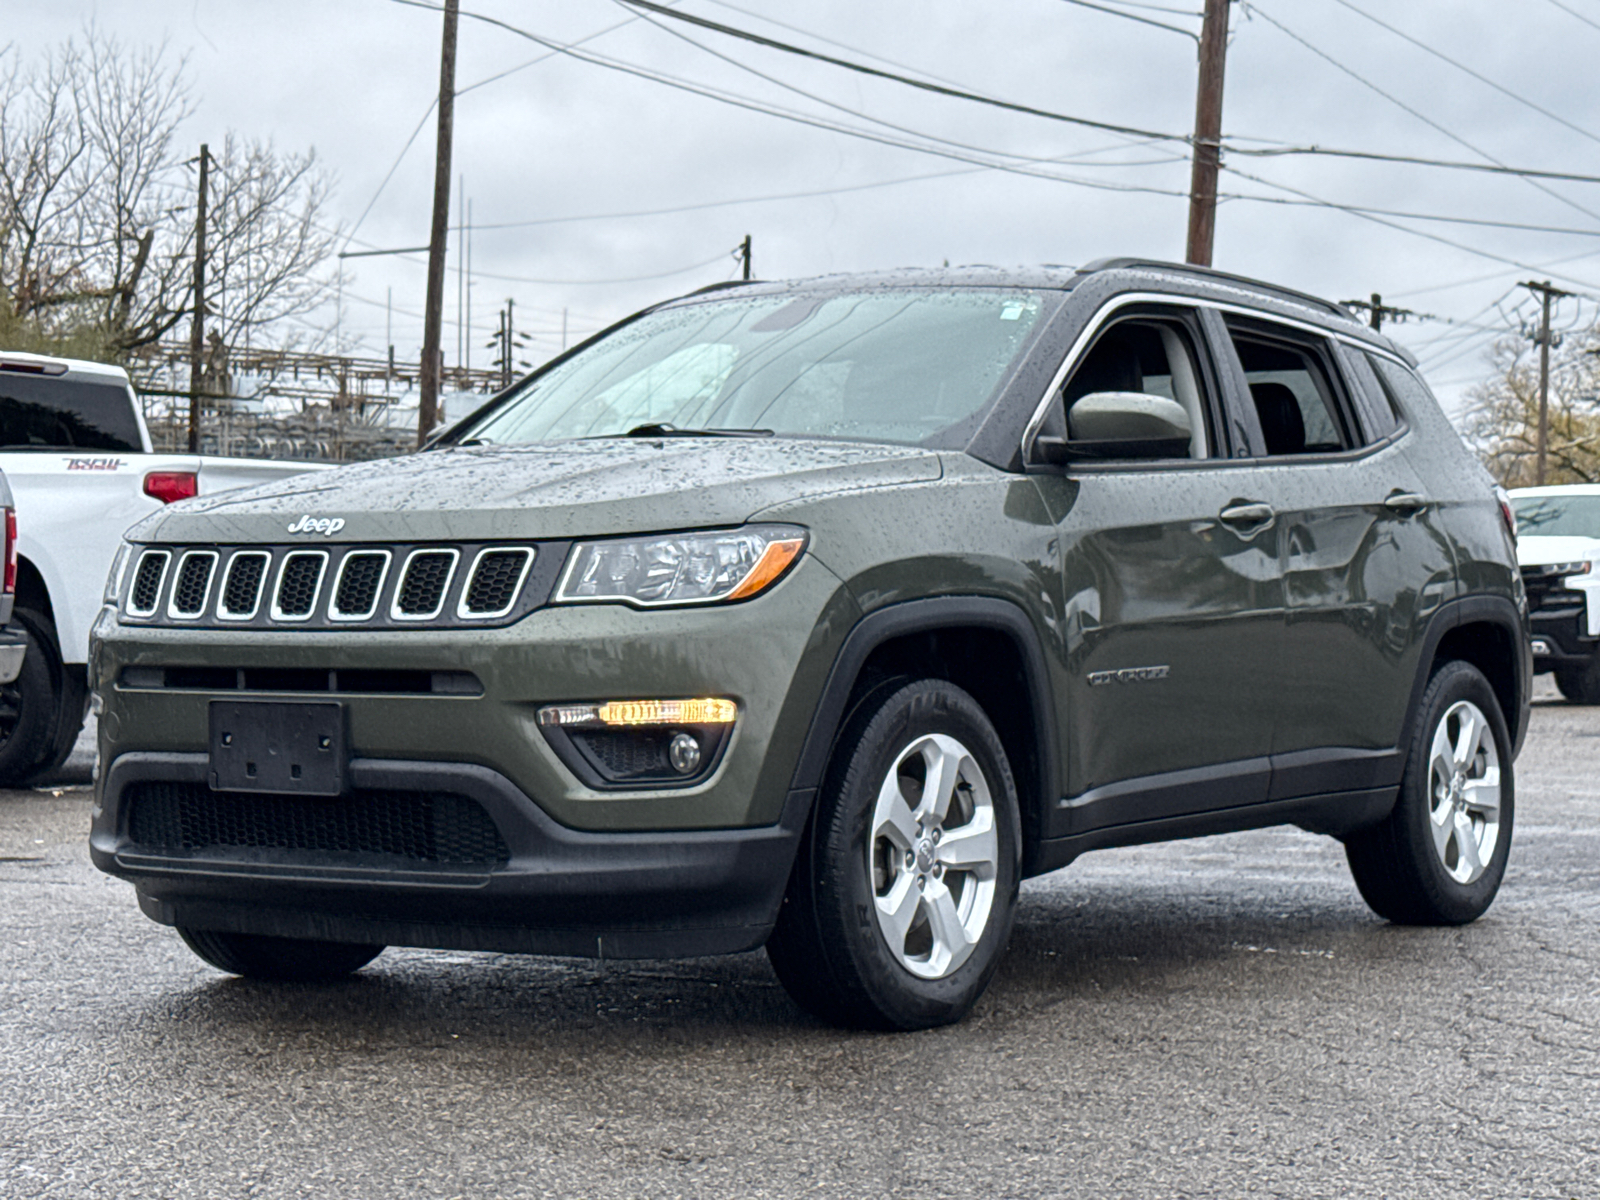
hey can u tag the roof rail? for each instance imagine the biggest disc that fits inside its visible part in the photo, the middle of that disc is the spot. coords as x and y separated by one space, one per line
1109 264
717 287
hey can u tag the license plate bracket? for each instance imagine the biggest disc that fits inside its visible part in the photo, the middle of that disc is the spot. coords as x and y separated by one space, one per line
274 746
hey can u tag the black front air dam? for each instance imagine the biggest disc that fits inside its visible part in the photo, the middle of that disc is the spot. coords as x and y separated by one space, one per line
563 891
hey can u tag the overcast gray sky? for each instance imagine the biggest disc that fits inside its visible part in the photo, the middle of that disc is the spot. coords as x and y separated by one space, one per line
573 144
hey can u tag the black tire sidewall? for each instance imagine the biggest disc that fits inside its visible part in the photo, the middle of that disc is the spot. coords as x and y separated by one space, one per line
1452 902
1581 685
869 747
38 686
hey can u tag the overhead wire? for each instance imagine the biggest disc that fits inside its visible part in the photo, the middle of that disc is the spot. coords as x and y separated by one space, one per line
1128 16
434 103
789 87
1422 233
1574 13
1250 6
1460 66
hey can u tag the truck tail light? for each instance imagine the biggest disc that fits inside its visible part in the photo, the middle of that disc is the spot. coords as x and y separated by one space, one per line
11 553
1507 513
167 486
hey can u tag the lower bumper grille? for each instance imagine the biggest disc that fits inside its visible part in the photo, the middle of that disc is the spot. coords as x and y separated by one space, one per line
425 827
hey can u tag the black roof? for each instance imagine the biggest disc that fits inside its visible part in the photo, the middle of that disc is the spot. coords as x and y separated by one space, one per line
1135 273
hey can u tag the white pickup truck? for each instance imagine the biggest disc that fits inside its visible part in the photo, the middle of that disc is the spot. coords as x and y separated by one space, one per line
1558 548
76 453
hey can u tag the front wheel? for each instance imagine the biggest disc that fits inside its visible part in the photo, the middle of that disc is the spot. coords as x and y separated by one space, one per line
299 960
902 895
1439 857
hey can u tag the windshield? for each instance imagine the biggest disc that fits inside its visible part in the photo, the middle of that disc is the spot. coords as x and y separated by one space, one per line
45 412
892 366
1557 516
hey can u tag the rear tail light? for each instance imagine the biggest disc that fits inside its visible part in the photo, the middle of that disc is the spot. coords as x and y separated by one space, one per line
167 486
11 552
1507 513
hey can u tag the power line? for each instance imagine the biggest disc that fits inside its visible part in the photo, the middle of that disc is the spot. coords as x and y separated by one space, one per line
735 63
433 103
1231 144
1574 13
1128 16
1367 216
1251 7
735 100
1481 78
863 69
746 12
1488 168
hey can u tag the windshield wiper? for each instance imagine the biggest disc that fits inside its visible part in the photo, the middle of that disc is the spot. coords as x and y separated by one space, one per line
667 429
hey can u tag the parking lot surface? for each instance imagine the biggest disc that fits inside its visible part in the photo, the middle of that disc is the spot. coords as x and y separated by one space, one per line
1215 1017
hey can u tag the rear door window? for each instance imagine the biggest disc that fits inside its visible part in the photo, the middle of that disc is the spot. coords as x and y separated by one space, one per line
52 413
1295 390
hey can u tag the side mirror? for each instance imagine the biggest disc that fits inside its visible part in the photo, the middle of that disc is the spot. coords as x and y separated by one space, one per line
1119 425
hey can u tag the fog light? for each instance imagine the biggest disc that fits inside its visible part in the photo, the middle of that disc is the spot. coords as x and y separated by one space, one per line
642 712
684 754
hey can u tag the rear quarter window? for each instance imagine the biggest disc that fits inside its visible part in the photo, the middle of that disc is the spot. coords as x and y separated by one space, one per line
49 413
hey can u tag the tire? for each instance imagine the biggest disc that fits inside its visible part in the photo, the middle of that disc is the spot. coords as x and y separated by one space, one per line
1439 857
868 937
294 960
1581 685
30 707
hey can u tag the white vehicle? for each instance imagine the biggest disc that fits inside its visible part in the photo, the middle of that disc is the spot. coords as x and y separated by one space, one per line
1558 548
75 450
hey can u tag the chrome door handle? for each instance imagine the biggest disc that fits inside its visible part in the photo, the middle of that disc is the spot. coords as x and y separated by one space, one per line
1406 502
1253 513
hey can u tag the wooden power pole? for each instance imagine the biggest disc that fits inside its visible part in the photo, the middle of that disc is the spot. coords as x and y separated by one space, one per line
197 330
432 313
1207 133
1547 295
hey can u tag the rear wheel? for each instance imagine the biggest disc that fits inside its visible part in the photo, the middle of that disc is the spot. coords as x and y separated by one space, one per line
1439 857
34 708
902 895
286 959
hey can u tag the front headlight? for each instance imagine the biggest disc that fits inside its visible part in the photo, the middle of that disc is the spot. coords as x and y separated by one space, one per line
119 564
681 568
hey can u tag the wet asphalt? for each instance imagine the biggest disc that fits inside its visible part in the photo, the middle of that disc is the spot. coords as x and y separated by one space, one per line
1218 1017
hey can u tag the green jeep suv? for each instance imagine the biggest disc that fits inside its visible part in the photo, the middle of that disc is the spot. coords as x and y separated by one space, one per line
816 616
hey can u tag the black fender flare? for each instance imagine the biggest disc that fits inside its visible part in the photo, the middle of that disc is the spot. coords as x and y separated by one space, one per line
1477 610
926 616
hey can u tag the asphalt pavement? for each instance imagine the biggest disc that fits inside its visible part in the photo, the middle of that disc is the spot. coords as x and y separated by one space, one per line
1218 1017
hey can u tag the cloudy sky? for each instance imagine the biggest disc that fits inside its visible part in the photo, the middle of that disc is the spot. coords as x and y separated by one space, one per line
595 190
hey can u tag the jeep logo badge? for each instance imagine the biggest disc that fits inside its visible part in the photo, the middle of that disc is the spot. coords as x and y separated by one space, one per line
327 526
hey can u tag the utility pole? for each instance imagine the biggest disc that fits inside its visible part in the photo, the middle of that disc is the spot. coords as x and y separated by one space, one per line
197 330
1207 133
1378 312
433 312
744 253
1547 295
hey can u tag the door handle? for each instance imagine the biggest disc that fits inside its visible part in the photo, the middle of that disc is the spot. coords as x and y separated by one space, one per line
1406 502
1247 513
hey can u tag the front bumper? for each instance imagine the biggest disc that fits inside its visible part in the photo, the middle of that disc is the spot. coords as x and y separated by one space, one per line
1560 640
558 891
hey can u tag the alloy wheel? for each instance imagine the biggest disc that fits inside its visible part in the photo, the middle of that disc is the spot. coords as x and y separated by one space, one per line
1464 791
933 856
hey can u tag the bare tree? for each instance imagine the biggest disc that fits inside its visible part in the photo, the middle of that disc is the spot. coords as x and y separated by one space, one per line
97 205
1504 420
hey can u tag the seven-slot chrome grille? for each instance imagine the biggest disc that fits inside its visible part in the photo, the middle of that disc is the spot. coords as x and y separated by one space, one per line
430 586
